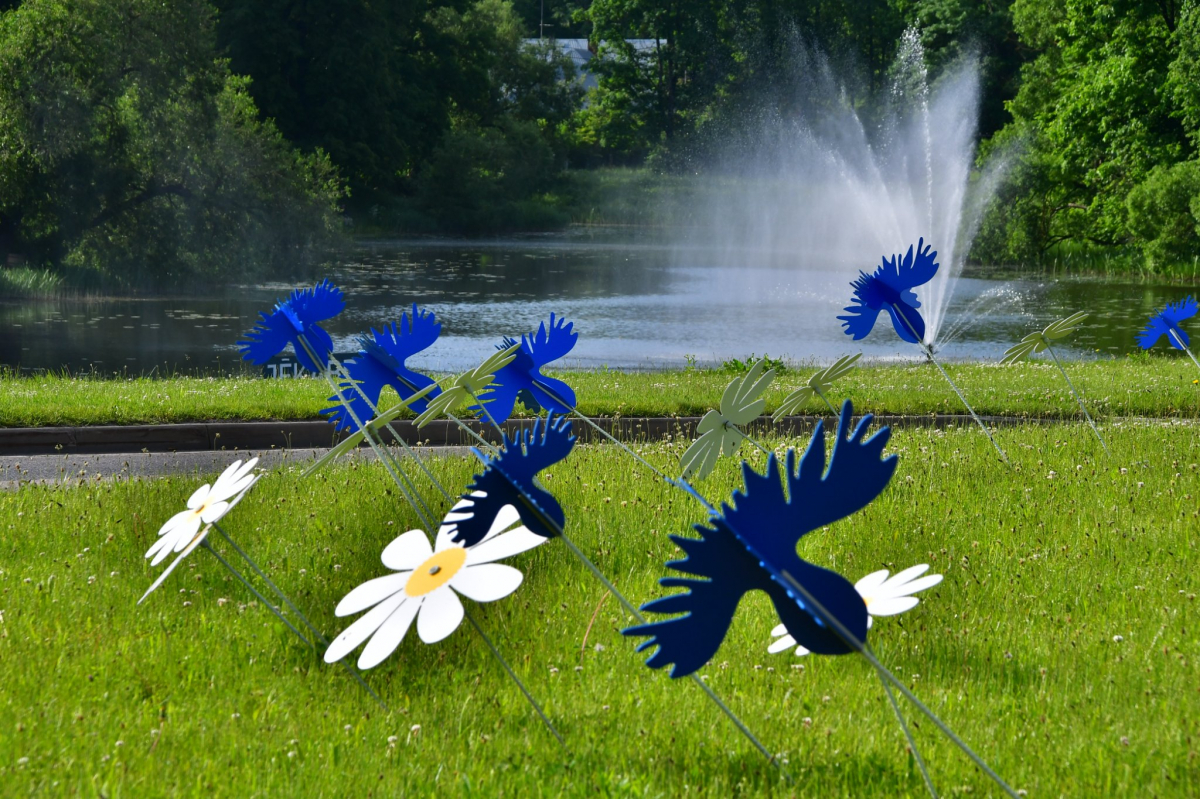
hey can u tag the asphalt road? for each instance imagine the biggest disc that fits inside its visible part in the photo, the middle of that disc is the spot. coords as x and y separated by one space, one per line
19 470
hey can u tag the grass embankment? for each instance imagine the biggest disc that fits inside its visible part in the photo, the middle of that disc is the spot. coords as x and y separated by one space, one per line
1157 386
1057 646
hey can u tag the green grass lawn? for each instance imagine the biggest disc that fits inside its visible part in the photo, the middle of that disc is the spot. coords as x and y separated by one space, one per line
1057 646
1158 385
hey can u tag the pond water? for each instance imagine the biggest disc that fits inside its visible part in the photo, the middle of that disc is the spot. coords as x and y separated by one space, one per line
636 305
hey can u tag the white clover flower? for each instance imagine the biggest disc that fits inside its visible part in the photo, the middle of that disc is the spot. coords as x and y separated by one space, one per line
182 532
883 596
425 584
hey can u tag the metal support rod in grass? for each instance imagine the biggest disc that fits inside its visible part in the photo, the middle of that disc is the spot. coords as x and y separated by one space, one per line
533 507
1040 341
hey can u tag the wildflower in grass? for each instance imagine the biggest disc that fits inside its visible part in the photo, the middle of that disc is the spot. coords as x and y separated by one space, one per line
292 318
182 532
381 362
883 596
522 376
890 289
1166 323
426 585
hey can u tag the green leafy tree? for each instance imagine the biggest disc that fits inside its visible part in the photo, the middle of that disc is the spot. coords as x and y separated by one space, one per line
127 150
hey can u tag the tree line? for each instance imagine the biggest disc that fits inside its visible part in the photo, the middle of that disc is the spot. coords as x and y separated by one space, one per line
153 143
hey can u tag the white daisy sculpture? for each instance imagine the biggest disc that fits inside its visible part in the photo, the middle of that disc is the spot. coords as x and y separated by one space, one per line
427 582
183 532
883 596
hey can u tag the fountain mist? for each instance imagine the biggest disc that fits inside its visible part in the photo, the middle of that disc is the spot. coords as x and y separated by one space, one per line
807 183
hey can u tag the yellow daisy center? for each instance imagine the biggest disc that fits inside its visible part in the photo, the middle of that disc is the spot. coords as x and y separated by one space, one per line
436 571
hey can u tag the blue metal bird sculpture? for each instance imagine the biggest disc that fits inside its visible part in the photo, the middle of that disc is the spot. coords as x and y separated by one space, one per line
381 362
508 480
1166 323
523 375
751 544
891 289
292 318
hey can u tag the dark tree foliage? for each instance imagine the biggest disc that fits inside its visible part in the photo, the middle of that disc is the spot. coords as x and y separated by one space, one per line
129 152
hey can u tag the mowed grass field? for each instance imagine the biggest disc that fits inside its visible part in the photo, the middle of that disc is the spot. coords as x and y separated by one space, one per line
1166 384
1062 644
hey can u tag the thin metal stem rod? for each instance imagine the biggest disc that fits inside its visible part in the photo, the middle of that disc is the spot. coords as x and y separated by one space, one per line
1078 398
825 399
928 350
536 509
269 605
416 502
500 659
1179 341
858 646
319 636
912 744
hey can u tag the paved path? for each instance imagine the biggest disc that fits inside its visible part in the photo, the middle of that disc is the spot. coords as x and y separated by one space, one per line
18 470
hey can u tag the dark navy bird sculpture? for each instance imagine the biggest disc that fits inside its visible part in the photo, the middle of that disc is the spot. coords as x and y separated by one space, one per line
296 316
891 289
523 375
1166 323
381 362
508 480
751 545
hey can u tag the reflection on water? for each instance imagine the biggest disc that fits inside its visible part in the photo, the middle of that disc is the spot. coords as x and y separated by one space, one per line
634 305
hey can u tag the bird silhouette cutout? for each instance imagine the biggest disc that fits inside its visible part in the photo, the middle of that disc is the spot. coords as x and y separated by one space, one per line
817 386
1041 340
381 362
751 545
891 289
523 377
296 316
1166 323
720 430
508 479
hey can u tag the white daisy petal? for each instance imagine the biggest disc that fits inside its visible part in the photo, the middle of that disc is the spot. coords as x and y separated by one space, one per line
802 651
786 642
868 584
908 589
506 517
488 582
440 615
198 496
504 545
179 520
911 573
195 542
892 605
214 512
362 629
384 642
407 552
780 629
244 491
372 592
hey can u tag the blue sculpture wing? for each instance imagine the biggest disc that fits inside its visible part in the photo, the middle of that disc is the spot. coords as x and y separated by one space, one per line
322 301
1154 329
267 338
550 344
727 571
1184 309
412 334
916 268
321 344
865 307
510 380
907 322
553 394
370 376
